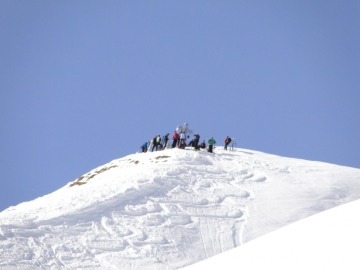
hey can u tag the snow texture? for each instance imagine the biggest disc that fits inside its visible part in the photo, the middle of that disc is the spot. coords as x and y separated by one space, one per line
328 240
168 209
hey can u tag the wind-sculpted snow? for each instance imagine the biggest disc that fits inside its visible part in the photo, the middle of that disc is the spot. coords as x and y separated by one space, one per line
168 209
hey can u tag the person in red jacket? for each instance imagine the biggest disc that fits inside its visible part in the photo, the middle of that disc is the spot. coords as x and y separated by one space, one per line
175 139
227 141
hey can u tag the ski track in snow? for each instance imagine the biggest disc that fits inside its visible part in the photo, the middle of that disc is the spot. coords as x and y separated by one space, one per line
168 209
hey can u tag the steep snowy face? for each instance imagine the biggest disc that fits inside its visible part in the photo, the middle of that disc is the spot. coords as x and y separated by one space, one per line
168 209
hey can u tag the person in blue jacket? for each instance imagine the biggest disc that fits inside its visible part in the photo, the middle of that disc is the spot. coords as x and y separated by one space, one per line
211 143
144 147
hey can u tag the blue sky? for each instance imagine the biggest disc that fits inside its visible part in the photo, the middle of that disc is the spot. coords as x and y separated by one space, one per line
86 82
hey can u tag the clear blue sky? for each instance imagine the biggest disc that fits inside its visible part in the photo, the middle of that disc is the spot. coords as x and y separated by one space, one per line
86 82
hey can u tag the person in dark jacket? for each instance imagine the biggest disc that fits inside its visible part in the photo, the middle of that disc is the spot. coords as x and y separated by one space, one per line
166 139
203 144
182 144
227 142
155 145
196 140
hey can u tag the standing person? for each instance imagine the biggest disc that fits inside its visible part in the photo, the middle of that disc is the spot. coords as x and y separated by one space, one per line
227 142
166 138
182 137
175 139
211 143
154 145
158 141
196 140
144 147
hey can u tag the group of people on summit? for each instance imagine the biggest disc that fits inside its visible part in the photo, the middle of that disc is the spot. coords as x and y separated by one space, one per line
179 141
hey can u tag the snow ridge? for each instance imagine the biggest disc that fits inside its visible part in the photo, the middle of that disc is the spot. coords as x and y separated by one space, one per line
168 209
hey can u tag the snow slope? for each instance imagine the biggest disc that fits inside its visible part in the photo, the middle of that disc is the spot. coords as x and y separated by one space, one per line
328 240
168 209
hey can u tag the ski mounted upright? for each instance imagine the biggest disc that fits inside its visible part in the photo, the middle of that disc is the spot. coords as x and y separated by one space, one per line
233 144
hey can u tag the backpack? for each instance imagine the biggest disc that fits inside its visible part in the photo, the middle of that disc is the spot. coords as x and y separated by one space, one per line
176 136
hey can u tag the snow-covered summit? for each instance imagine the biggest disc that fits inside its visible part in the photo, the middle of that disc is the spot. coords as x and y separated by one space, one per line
169 209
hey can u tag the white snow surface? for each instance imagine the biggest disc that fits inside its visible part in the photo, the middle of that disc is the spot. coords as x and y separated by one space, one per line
328 240
168 209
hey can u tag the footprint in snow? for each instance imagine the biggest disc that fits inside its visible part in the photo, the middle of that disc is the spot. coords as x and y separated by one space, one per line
259 179
142 237
254 177
154 220
180 220
236 213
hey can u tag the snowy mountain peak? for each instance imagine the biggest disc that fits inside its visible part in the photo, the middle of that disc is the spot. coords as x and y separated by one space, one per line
168 209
